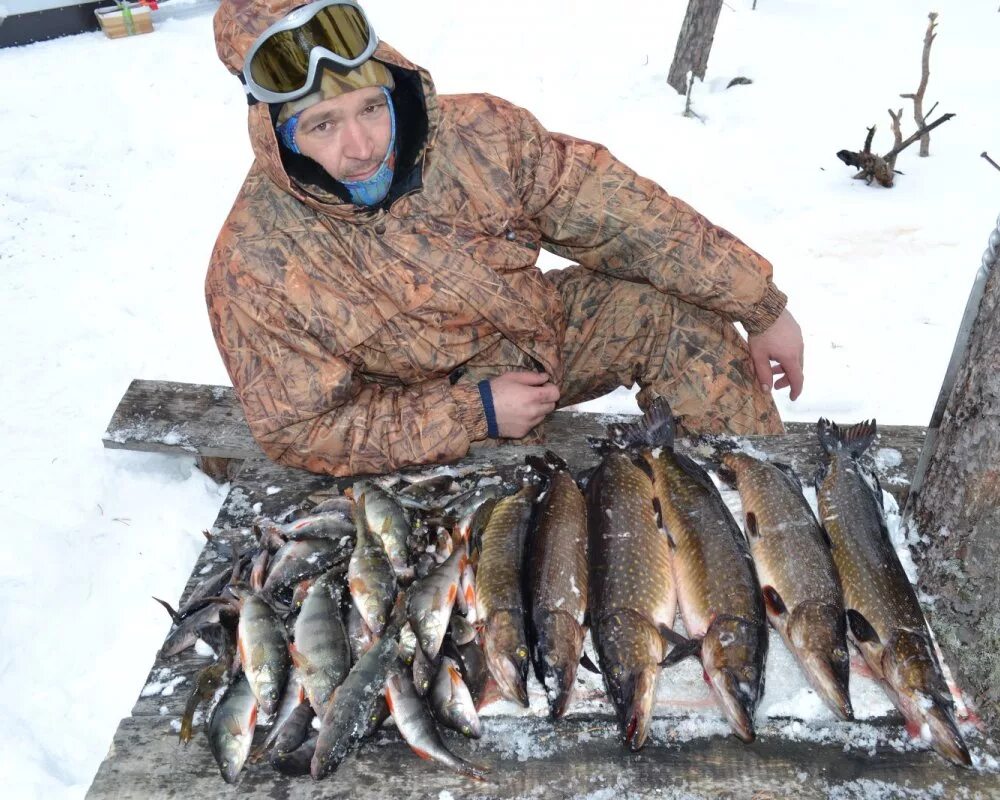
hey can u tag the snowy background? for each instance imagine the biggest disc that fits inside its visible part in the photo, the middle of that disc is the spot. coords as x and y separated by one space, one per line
120 160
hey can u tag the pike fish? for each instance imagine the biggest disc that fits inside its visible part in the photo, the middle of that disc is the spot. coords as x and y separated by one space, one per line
557 583
416 726
884 616
230 730
632 598
321 650
499 599
802 592
717 589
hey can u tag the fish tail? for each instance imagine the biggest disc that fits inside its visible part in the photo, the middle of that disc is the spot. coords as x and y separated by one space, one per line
855 439
655 429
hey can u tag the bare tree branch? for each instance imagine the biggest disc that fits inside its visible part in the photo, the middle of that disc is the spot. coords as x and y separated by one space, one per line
918 98
897 136
924 129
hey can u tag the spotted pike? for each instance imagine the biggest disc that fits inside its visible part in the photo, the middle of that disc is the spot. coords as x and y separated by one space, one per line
416 726
321 650
717 589
389 523
370 575
884 616
557 583
231 727
801 589
632 598
499 599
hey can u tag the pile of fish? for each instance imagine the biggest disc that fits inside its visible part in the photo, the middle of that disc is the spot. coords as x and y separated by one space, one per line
421 598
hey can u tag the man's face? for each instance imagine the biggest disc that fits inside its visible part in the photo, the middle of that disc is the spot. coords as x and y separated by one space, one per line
347 135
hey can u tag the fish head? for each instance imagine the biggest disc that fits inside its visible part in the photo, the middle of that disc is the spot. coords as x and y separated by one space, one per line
817 633
732 654
920 692
407 643
559 642
629 650
507 655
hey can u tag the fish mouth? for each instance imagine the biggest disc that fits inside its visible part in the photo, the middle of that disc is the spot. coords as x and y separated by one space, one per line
738 702
829 678
634 699
946 739
511 678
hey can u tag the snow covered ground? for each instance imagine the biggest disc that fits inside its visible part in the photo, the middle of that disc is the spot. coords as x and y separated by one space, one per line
121 158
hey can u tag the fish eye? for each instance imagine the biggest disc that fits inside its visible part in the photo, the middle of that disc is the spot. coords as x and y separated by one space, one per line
522 652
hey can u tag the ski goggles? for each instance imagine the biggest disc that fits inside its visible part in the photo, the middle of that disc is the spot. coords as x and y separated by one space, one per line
282 64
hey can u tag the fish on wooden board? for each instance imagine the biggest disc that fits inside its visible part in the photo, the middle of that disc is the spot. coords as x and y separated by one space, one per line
883 613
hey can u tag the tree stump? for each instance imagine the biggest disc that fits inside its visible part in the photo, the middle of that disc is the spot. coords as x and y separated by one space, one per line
694 42
955 499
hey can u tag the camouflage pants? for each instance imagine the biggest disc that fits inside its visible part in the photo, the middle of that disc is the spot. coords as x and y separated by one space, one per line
620 333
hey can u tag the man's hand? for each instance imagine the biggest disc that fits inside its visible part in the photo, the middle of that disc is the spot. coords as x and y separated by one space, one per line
522 400
782 344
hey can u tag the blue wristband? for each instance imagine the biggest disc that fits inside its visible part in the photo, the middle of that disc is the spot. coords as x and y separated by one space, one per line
486 395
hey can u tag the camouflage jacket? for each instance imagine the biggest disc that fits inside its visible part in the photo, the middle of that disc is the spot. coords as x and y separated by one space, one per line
340 325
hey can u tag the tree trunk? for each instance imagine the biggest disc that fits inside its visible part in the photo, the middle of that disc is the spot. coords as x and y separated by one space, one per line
955 499
694 42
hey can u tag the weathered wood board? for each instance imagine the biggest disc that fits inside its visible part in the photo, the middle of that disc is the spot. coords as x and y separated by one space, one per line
168 417
580 757
576 758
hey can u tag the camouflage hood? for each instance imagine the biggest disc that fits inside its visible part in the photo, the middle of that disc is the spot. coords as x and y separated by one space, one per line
237 25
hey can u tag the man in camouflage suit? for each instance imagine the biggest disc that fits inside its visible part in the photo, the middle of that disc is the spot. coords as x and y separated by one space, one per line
374 292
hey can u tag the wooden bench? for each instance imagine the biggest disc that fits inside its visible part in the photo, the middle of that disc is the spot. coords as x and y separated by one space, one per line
576 757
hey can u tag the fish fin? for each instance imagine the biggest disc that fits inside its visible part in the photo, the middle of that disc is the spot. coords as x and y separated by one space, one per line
861 627
826 536
589 665
727 475
696 471
658 511
170 610
773 601
855 439
753 531
301 661
583 479
789 472
683 647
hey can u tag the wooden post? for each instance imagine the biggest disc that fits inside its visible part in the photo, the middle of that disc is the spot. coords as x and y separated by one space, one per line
694 42
955 499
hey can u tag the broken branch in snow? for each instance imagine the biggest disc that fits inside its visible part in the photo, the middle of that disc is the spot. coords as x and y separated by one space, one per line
986 156
882 168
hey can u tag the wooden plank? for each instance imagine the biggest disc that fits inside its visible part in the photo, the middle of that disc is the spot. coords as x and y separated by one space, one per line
577 757
161 416
170 417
